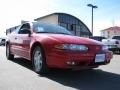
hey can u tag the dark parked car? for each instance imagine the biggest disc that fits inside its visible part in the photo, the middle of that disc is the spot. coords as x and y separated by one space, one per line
98 38
52 46
2 41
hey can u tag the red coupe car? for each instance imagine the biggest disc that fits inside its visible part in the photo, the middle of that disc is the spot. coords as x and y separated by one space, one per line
52 46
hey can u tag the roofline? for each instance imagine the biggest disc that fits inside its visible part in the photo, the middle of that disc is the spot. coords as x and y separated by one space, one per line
45 16
109 29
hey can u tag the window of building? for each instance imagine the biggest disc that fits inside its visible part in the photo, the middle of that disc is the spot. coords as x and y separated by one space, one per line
63 25
68 26
108 34
77 27
73 27
114 31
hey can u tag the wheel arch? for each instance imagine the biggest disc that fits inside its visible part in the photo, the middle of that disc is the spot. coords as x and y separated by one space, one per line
33 47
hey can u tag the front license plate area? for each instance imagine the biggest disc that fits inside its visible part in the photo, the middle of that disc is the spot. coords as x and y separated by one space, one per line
99 58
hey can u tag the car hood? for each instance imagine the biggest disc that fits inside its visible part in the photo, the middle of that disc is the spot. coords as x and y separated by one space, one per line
61 38
72 39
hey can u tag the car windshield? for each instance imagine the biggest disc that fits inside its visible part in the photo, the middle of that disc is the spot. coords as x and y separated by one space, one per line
116 37
49 28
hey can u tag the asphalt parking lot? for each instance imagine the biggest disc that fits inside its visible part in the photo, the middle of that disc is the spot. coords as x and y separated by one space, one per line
18 75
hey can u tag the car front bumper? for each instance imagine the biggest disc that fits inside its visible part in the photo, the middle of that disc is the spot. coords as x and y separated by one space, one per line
75 60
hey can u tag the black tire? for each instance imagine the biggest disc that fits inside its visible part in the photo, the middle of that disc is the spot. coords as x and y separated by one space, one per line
8 53
38 60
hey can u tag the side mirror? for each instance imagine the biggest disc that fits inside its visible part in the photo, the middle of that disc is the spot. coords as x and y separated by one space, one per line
28 32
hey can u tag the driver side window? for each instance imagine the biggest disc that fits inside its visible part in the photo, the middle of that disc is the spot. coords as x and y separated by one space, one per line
25 29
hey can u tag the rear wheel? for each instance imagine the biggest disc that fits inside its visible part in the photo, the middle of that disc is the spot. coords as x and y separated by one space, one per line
8 53
38 60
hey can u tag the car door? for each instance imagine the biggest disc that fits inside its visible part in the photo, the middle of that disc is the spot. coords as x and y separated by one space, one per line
12 38
23 40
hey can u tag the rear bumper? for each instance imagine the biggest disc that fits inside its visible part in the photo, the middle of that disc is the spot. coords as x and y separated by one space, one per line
80 60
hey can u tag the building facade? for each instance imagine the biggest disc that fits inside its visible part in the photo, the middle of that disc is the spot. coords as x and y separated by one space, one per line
8 31
110 32
71 23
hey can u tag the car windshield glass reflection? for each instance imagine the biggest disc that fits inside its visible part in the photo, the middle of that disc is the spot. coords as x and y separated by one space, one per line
49 28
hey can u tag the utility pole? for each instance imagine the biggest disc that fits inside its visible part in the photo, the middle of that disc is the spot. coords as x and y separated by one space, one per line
92 6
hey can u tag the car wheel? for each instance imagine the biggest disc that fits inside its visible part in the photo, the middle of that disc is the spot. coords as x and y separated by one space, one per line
8 53
38 60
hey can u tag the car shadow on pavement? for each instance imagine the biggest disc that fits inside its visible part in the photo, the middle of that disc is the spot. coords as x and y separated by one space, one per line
23 62
93 79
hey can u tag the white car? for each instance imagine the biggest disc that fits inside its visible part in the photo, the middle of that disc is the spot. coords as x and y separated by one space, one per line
113 44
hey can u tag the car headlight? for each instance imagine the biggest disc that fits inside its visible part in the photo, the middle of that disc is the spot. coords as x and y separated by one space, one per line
74 47
105 47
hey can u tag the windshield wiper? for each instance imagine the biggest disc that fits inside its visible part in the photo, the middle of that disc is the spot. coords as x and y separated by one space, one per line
63 33
55 33
43 32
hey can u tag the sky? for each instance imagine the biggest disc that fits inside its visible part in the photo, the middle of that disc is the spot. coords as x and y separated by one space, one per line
106 15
